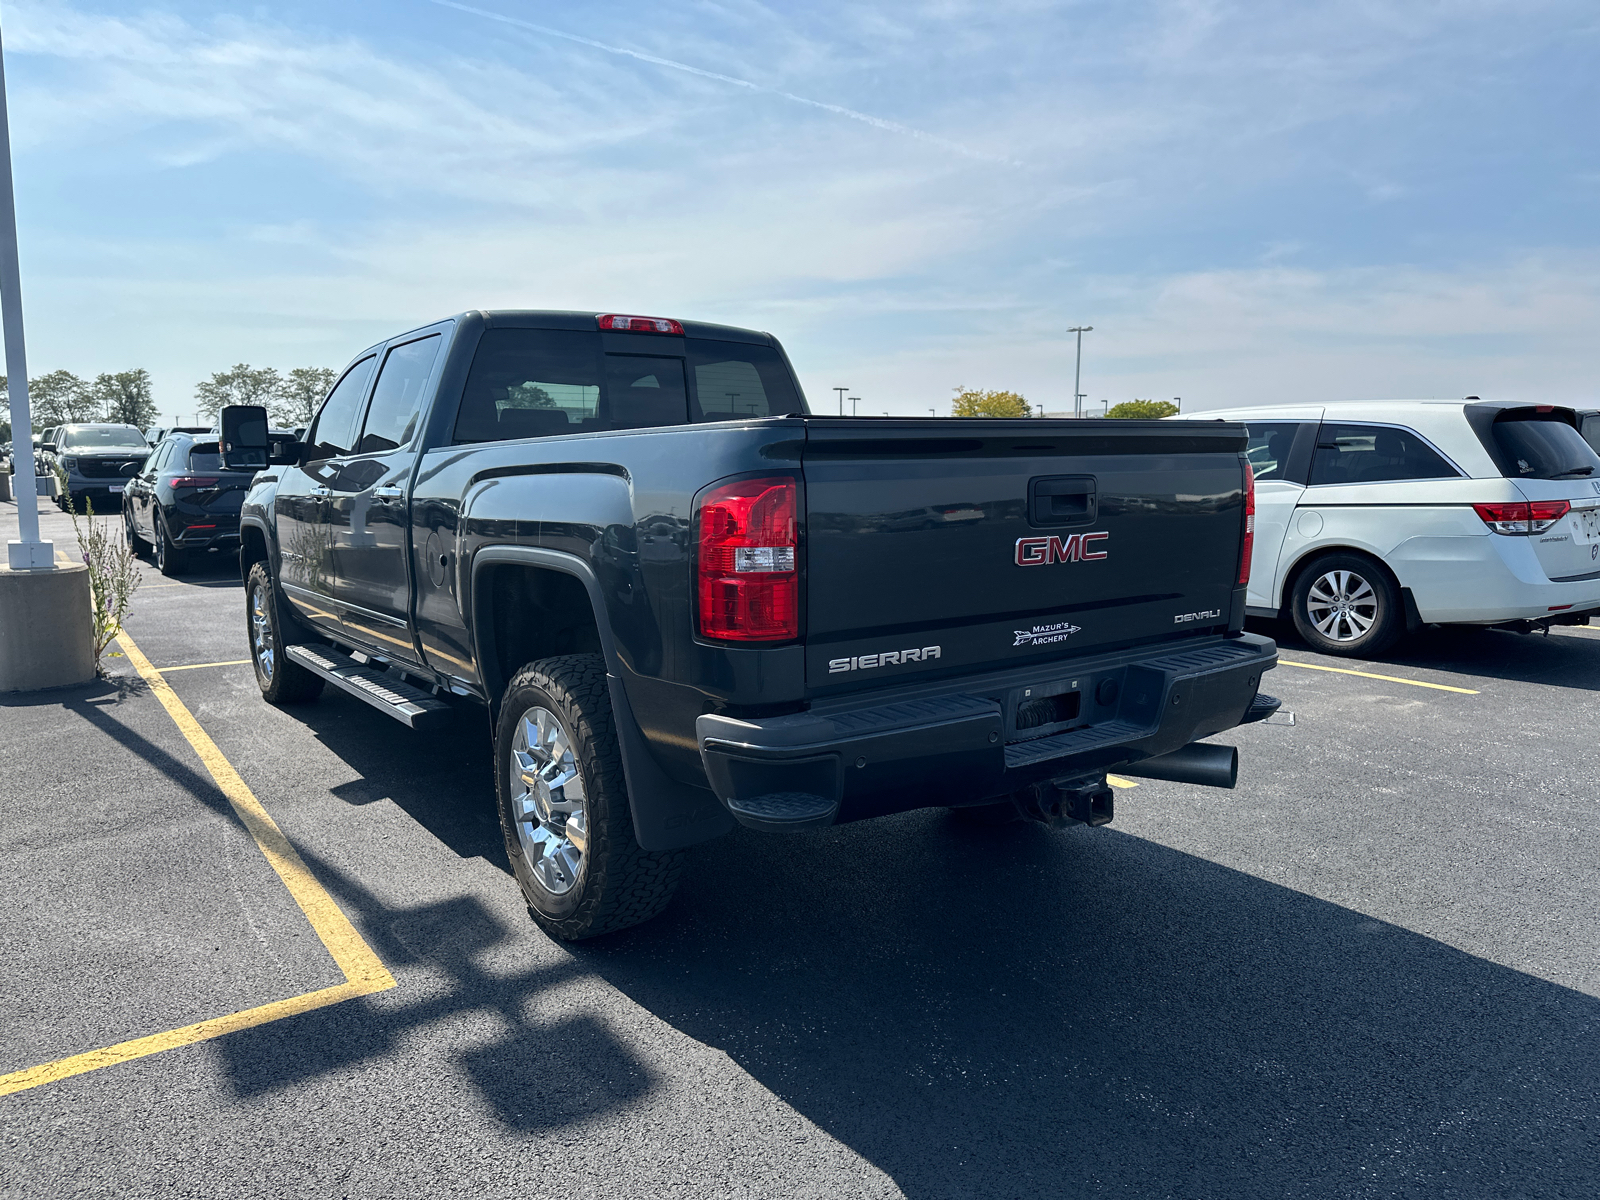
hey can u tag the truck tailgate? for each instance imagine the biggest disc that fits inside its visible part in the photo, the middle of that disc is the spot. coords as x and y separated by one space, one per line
941 544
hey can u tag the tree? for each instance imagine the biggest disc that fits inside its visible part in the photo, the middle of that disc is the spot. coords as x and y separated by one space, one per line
1146 410
301 392
125 397
989 404
243 384
60 397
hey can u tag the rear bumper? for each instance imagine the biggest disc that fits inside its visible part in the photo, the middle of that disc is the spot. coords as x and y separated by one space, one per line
961 743
1488 579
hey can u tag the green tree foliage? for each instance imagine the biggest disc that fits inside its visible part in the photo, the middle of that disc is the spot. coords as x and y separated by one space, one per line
241 384
125 397
970 403
60 397
301 393
1146 410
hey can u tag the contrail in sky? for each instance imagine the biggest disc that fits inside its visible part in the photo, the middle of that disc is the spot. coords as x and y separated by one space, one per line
865 118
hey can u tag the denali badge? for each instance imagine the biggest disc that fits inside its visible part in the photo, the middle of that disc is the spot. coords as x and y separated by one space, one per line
1043 635
1037 551
1185 618
884 658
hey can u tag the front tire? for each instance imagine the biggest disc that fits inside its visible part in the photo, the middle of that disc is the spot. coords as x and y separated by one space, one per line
1347 605
563 804
281 680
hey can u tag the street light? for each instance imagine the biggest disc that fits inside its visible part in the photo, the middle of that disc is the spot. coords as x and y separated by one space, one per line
854 400
1077 372
841 392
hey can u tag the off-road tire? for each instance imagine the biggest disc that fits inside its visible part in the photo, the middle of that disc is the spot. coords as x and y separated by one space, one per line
170 559
1388 621
620 883
287 682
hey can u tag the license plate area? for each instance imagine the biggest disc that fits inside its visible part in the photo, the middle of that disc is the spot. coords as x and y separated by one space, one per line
1041 709
1588 523
117 487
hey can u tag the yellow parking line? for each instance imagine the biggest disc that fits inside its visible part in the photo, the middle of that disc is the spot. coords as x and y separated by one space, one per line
364 971
232 662
1117 781
1440 687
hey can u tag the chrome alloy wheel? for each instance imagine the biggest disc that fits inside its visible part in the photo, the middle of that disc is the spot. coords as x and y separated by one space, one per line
547 797
1342 606
261 644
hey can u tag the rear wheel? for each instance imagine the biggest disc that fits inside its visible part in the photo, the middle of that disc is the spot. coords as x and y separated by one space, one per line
170 559
564 804
281 680
1346 604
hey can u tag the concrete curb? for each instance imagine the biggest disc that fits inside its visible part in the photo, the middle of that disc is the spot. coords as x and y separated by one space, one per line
46 628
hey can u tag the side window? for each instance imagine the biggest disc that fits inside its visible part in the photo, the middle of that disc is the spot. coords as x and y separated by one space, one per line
735 379
333 432
1374 454
1269 446
1591 432
531 383
643 392
397 400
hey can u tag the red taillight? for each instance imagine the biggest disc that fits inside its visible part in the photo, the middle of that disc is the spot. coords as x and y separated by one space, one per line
1249 525
195 481
749 587
621 324
1520 518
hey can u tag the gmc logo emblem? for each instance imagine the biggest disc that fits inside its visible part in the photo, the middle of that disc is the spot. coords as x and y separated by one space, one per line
1038 551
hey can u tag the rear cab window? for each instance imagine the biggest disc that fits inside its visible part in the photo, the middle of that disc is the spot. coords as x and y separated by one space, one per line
543 382
1357 454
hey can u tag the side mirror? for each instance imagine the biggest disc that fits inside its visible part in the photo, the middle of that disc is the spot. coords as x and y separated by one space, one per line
132 469
244 437
285 452
47 447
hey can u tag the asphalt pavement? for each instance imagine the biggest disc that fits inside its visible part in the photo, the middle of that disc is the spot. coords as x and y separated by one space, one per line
1371 970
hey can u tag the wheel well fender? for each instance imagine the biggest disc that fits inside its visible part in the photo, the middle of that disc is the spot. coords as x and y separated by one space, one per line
521 581
1291 577
252 547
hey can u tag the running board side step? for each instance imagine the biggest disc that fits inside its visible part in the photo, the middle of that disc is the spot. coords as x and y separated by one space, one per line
394 697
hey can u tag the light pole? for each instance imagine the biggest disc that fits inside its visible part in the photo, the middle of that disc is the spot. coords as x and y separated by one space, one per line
1077 372
854 400
29 554
841 392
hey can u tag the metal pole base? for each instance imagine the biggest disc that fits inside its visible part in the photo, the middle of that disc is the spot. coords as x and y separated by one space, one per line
31 556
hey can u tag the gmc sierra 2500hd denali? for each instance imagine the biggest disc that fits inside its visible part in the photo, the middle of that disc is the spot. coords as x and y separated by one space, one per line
686 602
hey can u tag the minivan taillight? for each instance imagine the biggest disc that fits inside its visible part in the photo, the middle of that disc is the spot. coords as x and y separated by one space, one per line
748 582
1249 546
1521 518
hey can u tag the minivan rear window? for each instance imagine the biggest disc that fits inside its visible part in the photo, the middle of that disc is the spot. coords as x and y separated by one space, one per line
1536 445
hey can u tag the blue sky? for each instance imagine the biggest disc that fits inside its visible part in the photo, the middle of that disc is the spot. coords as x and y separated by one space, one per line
1250 202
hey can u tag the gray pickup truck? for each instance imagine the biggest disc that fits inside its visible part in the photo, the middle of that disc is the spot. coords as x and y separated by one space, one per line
687 603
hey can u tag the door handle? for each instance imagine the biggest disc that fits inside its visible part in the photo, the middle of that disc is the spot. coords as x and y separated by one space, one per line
387 494
319 490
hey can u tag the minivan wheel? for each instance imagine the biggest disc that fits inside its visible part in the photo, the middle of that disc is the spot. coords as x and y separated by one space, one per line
564 804
281 680
1346 604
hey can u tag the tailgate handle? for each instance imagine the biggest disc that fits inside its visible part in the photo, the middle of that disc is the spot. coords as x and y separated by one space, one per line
1062 499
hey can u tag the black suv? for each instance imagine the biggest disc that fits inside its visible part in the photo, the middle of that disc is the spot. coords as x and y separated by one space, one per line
183 500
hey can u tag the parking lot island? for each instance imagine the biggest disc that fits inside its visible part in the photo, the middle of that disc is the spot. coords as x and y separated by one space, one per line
45 636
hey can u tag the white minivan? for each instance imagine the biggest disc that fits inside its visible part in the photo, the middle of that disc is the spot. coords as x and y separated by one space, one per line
1375 517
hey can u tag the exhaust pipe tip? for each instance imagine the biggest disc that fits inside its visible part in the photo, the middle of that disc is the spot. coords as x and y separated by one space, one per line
1198 763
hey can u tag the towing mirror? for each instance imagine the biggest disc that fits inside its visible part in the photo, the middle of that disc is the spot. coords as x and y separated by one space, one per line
244 437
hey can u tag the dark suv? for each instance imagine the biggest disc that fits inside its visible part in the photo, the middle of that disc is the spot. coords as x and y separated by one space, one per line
96 460
183 501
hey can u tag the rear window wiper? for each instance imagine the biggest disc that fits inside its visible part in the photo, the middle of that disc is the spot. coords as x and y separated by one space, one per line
1574 471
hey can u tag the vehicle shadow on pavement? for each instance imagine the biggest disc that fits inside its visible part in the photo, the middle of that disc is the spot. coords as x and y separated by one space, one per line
1559 660
1020 1012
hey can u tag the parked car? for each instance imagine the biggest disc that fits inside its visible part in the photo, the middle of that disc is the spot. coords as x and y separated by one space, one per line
156 433
96 460
685 603
1376 517
183 501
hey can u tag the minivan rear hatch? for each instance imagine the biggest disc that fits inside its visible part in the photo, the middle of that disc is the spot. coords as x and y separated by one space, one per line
1540 448
953 544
